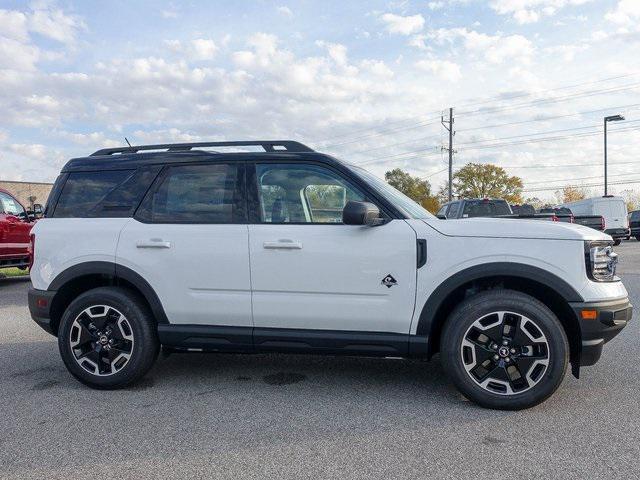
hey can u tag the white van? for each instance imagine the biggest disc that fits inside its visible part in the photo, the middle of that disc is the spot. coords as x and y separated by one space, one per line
613 209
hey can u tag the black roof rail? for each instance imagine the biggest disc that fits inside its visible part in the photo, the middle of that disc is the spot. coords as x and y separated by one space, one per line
268 145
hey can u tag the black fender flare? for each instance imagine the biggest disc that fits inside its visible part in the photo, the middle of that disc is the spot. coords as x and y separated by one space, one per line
115 271
496 269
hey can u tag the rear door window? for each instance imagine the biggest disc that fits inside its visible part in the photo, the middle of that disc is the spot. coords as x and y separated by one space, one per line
210 193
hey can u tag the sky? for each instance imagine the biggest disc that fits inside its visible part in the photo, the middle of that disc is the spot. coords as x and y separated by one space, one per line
367 81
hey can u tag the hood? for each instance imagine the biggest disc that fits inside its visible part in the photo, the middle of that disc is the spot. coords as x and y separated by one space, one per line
515 228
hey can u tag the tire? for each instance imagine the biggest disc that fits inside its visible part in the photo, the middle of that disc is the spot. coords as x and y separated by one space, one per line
638 238
617 242
520 378
108 338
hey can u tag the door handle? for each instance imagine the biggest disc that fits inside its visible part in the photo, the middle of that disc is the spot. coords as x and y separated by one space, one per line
153 243
283 244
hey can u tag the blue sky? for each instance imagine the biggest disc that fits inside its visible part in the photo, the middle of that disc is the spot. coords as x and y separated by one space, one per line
365 81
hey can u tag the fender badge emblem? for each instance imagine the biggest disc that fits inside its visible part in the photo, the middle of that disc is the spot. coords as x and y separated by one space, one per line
389 281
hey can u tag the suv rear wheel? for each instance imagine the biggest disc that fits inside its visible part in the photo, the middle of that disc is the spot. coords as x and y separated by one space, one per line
107 338
505 350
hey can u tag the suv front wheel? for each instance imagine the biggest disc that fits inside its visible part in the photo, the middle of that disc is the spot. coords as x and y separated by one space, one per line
107 338
504 349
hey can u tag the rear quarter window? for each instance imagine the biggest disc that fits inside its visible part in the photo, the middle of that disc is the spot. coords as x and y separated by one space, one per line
108 193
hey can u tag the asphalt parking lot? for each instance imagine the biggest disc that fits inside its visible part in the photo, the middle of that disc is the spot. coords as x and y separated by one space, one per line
262 416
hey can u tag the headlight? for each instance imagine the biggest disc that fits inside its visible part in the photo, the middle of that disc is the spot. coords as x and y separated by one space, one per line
601 261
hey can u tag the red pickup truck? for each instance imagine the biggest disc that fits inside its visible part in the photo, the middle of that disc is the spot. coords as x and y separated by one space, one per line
15 227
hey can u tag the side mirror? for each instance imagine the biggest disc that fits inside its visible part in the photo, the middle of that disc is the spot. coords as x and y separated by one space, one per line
37 209
441 217
361 213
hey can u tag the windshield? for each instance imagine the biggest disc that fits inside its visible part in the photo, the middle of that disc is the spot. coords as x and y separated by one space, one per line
397 198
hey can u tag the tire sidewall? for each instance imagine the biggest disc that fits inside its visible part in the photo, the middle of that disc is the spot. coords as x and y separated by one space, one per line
145 348
483 304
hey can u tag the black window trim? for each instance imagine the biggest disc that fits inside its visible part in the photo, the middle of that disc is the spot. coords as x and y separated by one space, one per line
253 197
157 183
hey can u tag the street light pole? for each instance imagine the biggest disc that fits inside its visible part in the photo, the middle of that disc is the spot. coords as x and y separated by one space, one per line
612 118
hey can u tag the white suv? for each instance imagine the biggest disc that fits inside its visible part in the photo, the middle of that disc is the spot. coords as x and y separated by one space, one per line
289 250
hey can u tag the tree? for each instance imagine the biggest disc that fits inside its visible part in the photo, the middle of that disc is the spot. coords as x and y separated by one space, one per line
535 202
571 194
632 198
417 189
476 180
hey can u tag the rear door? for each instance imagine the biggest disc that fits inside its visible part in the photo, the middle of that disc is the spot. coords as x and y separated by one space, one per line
310 271
189 241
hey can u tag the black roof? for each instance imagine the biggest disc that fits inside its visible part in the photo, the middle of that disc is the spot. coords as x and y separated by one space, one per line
135 156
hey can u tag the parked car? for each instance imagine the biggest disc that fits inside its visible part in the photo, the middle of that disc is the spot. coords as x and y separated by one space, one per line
193 250
565 214
634 224
612 209
489 207
561 213
15 227
592 221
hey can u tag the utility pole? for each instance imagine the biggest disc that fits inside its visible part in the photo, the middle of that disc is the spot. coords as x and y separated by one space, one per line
448 124
612 118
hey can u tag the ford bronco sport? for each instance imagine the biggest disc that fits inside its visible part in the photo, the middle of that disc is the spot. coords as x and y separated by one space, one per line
290 250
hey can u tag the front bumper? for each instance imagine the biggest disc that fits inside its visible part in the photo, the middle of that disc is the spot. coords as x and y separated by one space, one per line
617 233
635 231
40 308
596 330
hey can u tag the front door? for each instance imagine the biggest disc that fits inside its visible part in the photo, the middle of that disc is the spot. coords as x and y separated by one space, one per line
309 271
14 228
189 241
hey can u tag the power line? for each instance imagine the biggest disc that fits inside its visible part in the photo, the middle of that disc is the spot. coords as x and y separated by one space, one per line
554 117
580 178
543 133
384 132
551 100
631 182
482 101
425 151
520 95
421 139
544 139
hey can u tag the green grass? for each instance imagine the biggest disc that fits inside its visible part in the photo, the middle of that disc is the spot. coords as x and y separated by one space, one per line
12 272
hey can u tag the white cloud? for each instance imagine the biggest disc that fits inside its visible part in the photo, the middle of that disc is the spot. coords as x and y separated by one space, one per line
171 13
444 69
403 25
13 25
35 151
566 52
530 11
337 52
55 24
495 49
436 5
19 56
197 49
626 13
285 11
203 49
